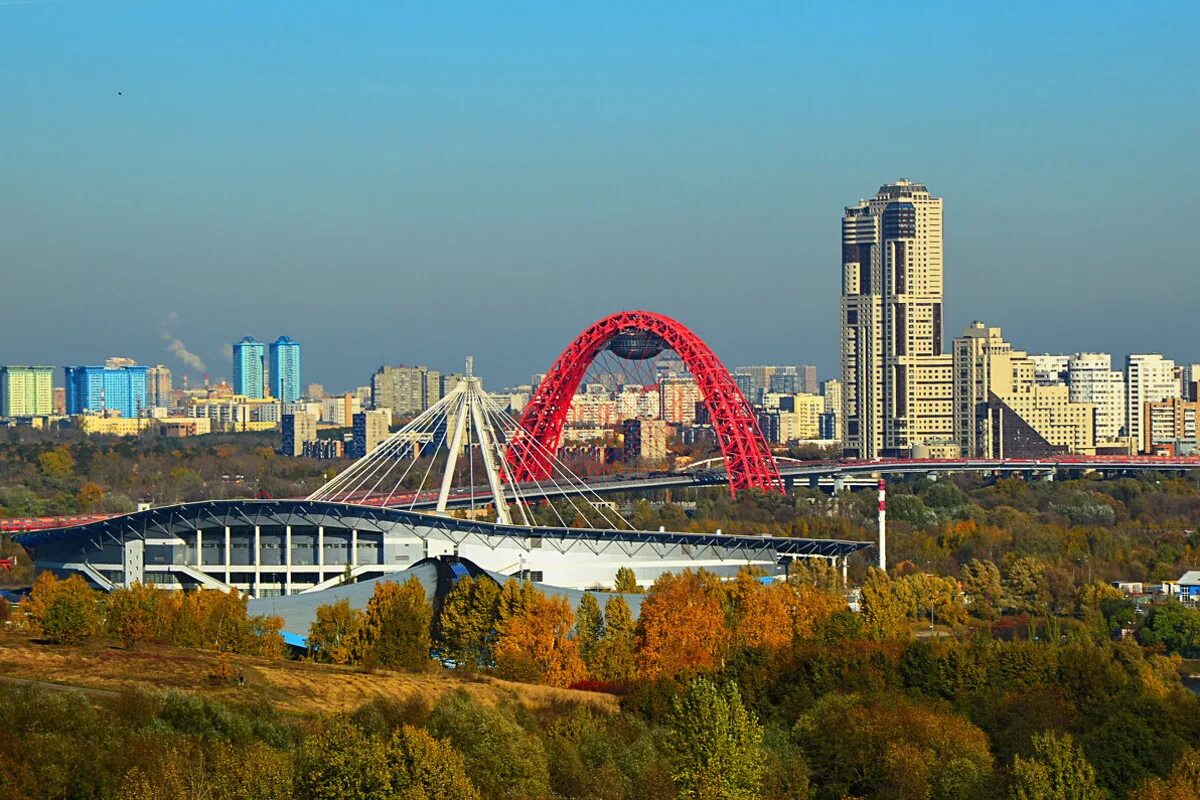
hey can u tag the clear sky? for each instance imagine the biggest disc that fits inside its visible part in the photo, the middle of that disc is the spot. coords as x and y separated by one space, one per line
400 182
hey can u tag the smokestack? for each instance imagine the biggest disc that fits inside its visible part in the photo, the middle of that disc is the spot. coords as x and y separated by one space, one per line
883 524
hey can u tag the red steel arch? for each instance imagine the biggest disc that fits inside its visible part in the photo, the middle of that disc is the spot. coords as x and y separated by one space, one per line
748 460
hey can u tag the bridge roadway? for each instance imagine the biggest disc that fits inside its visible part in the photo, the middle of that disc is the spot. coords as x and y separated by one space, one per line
796 471
790 471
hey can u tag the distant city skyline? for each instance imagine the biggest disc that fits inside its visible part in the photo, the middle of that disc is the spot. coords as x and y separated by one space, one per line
391 186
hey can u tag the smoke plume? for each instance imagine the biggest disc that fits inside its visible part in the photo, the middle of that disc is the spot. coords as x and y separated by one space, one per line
177 347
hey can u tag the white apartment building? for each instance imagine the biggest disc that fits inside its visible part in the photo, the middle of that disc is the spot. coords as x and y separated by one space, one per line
1091 379
1149 378
1050 369
897 382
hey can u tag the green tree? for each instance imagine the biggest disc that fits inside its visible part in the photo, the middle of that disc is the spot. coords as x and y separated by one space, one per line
714 744
626 582
614 660
1174 627
589 627
502 759
1057 770
468 620
58 464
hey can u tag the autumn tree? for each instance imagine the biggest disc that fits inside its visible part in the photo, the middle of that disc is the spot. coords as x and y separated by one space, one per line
534 642
714 744
337 761
1056 770
981 585
762 614
813 606
1024 584
1183 783
334 632
394 631
135 614
681 625
467 622
884 605
425 768
65 611
614 659
589 627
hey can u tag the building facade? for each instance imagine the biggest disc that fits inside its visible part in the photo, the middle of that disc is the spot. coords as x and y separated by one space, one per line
370 429
831 390
896 381
285 369
677 400
297 429
1001 410
1091 379
1149 378
26 391
249 364
645 442
105 390
1169 427
158 387
405 390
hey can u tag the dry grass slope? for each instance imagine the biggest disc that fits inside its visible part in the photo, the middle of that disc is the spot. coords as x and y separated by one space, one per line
297 687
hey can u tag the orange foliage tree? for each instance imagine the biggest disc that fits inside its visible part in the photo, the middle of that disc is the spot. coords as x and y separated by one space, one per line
535 641
681 625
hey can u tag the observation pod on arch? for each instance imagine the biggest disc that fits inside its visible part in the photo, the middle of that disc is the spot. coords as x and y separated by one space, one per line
642 335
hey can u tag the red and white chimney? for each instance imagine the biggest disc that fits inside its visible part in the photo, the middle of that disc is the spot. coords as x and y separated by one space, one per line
883 524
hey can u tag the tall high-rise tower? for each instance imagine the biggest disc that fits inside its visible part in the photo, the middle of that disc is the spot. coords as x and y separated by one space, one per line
897 381
248 366
285 369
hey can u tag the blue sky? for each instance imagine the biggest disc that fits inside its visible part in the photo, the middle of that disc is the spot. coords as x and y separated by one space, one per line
393 182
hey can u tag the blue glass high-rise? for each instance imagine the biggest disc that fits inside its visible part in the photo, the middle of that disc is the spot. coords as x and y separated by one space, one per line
248 357
96 390
285 369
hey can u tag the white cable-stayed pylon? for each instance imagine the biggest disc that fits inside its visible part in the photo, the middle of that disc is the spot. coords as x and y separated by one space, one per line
464 422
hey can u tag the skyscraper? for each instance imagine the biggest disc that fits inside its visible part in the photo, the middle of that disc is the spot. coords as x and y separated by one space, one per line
1091 379
158 387
248 356
102 390
1149 378
285 369
897 382
26 391
405 390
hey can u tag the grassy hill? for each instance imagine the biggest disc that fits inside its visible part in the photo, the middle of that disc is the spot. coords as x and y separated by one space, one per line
290 686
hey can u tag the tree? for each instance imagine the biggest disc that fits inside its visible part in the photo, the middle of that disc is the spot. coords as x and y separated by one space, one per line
883 605
626 582
66 612
58 464
762 615
534 643
333 634
395 626
337 761
614 660
502 759
714 744
813 607
467 623
1024 583
90 496
1182 784
589 627
1057 770
981 584
1174 627
681 625
425 768
133 614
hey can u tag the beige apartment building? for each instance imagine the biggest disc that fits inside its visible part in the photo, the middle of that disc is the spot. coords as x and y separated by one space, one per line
1002 411
897 387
